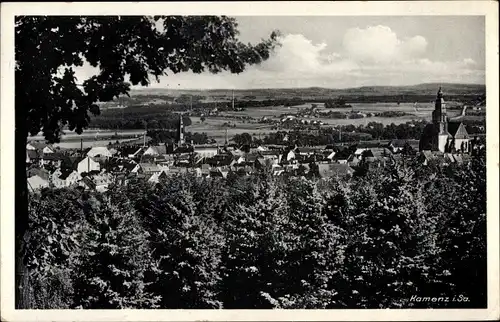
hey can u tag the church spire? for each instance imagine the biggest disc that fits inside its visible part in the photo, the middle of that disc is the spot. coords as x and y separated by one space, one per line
180 136
439 113
440 93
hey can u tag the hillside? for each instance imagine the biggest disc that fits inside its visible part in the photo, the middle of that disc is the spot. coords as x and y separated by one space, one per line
317 92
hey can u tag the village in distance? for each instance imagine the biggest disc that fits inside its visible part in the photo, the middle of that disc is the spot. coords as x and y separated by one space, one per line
288 132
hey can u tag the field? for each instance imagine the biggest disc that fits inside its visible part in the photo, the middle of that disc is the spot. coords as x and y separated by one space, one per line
247 121
214 126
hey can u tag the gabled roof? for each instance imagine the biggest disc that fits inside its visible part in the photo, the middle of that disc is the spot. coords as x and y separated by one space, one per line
42 173
38 145
149 167
33 154
457 130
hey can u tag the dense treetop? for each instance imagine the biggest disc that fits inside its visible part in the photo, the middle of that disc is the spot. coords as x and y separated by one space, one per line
127 50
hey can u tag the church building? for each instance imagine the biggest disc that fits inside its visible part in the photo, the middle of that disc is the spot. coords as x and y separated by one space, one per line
442 135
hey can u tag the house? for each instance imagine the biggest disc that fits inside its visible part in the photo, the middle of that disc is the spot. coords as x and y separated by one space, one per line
48 150
138 152
157 177
427 157
51 159
102 181
88 164
32 156
288 156
36 183
40 147
55 180
206 151
32 147
166 160
71 178
304 151
220 160
35 171
99 152
398 146
146 168
61 179
353 160
335 170
461 139
156 150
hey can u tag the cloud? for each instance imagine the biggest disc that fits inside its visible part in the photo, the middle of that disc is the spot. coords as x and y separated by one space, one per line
379 44
296 53
374 55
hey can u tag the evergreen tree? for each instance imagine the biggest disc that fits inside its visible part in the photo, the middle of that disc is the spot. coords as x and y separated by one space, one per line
114 269
188 246
254 257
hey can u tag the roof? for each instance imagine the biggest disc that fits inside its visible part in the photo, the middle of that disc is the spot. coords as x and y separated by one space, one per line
149 167
44 174
158 149
65 174
457 130
37 182
99 151
334 169
52 156
32 154
206 147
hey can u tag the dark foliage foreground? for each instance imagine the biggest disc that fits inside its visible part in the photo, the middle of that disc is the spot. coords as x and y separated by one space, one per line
264 242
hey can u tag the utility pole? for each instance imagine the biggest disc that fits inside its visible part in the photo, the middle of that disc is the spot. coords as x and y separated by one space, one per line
233 101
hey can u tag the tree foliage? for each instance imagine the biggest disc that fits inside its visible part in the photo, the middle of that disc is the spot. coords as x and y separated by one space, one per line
126 50
262 241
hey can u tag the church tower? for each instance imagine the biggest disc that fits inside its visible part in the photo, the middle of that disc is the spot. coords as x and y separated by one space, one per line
440 122
180 132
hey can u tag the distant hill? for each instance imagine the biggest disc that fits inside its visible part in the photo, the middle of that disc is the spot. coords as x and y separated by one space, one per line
449 89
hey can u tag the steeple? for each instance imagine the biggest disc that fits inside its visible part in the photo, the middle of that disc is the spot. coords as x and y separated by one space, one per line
180 133
439 114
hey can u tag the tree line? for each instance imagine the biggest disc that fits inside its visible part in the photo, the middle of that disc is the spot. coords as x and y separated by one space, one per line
264 242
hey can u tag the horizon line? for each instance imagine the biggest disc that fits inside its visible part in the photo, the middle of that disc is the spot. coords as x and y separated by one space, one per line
143 88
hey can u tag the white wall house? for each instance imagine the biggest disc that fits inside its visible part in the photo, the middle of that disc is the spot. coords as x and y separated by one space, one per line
48 150
88 164
206 152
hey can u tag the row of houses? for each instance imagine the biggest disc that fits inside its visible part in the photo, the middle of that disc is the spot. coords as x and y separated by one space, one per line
98 167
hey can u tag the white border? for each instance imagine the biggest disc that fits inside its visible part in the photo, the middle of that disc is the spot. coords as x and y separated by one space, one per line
8 10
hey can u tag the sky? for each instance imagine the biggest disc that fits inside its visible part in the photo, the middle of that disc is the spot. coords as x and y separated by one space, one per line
352 51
